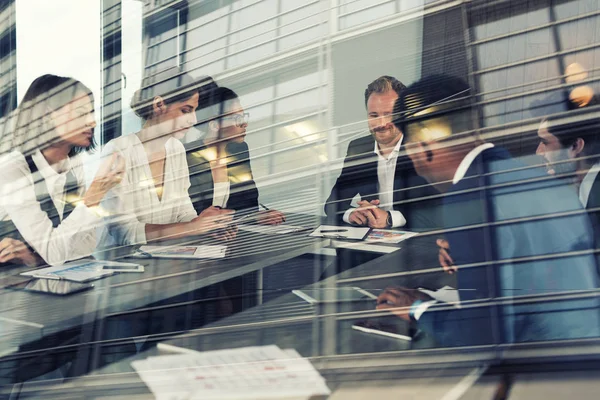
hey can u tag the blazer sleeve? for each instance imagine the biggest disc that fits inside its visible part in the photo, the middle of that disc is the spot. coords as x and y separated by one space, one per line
357 177
451 326
244 195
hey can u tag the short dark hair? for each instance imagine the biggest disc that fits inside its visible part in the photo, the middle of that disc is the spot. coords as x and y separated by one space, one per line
435 96
32 129
383 84
584 123
173 85
213 105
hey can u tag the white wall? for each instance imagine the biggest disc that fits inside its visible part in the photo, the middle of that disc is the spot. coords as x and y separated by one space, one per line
61 37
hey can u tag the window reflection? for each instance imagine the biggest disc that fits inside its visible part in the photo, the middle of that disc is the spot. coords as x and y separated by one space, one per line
461 139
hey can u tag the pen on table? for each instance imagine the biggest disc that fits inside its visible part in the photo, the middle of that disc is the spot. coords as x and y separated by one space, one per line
268 209
334 230
175 349
142 252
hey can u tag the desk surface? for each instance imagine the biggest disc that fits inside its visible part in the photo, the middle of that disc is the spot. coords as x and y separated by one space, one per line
355 366
322 333
23 312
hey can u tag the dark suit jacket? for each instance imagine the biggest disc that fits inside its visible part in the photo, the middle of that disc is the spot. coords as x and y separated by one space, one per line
594 202
359 176
495 190
243 192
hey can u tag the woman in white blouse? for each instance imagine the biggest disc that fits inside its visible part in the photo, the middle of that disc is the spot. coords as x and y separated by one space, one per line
45 212
152 201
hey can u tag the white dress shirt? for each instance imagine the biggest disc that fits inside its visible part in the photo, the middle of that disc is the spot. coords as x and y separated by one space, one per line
134 202
587 183
221 194
462 169
75 237
386 171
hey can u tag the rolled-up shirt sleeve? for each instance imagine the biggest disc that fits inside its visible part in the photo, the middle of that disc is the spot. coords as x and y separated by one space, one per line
221 194
74 237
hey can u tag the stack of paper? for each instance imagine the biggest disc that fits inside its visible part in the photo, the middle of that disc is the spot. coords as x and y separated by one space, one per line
265 372
388 236
273 229
177 251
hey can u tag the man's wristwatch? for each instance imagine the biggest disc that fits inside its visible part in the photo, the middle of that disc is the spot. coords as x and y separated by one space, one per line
388 220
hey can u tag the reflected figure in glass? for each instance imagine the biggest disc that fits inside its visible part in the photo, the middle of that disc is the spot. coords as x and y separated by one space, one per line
519 258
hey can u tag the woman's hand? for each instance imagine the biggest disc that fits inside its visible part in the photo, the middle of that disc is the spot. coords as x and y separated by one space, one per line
271 217
16 251
108 176
210 219
227 233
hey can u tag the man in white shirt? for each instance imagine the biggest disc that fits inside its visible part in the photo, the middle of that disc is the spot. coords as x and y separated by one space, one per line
374 173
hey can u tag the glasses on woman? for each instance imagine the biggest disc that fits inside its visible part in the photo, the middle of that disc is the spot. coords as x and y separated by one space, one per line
238 119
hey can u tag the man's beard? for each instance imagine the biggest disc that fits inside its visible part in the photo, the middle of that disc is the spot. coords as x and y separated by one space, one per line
390 135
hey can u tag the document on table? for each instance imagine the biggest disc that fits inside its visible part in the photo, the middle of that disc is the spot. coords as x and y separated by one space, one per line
273 229
341 232
204 251
388 236
261 372
77 271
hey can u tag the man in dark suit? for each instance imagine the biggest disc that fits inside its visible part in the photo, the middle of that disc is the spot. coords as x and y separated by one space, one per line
375 171
571 150
519 240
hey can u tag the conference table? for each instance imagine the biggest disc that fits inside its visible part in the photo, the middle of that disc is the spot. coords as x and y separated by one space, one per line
32 323
357 365
320 332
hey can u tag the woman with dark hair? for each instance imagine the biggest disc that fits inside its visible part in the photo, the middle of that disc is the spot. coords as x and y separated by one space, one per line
45 212
152 201
220 169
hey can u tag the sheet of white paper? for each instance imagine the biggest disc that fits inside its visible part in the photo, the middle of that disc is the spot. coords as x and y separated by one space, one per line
271 229
447 294
204 251
265 372
340 232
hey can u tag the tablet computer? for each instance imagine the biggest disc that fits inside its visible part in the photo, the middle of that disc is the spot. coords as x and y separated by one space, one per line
50 286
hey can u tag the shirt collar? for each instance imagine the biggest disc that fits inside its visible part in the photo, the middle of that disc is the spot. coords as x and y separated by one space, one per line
464 165
587 183
394 151
46 170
